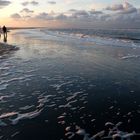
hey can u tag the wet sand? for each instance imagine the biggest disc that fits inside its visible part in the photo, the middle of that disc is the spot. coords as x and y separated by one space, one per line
5 48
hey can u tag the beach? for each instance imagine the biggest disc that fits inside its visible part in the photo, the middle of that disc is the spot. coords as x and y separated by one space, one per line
66 84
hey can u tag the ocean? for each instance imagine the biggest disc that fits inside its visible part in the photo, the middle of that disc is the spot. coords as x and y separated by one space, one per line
70 84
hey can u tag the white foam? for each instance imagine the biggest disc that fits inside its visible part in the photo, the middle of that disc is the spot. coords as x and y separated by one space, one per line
29 115
9 114
93 120
73 96
99 134
114 132
70 135
61 117
130 57
26 107
68 128
5 83
109 124
81 108
44 99
68 105
62 122
111 107
5 74
81 132
58 86
6 96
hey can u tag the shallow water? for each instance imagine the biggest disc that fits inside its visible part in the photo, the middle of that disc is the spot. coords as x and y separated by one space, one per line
56 82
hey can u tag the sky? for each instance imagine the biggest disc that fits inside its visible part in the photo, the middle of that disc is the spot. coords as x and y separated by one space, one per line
70 13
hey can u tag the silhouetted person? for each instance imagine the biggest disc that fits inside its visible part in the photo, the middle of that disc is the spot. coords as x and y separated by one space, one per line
4 29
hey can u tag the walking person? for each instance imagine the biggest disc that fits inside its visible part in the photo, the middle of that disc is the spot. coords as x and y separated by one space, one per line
4 29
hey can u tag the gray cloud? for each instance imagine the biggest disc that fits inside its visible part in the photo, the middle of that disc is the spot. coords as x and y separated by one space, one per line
26 10
52 2
44 16
61 17
4 3
129 10
93 12
128 13
116 7
105 17
15 16
27 17
25 3
80 14
19 17
72 10
34 3
125 8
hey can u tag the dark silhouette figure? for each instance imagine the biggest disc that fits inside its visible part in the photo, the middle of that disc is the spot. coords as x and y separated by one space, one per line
4 29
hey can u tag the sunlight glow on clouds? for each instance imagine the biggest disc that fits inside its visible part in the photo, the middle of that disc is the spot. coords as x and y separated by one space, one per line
71 13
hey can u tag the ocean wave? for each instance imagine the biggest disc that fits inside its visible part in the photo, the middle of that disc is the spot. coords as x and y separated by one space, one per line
116 38
6 82
130 57
119 40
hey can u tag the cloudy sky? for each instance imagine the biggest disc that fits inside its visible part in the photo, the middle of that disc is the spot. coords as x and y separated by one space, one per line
71 13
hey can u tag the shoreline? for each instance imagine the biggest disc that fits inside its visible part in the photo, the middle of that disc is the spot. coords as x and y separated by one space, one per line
4 48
